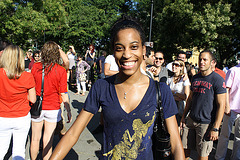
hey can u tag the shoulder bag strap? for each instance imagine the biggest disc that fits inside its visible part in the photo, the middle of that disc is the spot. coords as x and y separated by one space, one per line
42 89
159 107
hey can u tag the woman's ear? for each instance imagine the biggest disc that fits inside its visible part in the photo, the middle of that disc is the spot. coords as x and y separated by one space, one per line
144 50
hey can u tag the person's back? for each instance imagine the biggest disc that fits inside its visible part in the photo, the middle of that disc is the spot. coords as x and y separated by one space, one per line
17 89
54 86
100 65
52 82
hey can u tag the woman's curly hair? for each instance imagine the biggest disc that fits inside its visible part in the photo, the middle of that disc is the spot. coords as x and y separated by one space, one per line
50 55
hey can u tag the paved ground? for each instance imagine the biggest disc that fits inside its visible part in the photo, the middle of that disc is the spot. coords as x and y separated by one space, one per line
89 145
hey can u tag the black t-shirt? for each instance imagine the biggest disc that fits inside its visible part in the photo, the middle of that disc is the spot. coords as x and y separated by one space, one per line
204 89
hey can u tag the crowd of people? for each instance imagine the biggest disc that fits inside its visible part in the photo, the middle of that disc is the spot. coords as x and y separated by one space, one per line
198 102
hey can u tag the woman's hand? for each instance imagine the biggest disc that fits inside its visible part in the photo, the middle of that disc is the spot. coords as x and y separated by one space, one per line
182 123
69 115
153 69
67 106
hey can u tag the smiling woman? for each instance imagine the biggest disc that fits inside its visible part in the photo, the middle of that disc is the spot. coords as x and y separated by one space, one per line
128 101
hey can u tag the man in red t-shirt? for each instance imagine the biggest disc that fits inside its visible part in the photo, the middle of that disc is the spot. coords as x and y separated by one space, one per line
217 70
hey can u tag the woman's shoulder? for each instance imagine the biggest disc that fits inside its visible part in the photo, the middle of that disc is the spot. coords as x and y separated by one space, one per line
84 62
27 74
36 66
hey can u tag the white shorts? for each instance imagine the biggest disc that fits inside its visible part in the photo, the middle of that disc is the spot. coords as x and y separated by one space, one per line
49 116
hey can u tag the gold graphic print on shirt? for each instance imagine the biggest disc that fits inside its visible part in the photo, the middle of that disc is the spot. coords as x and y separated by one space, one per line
129 147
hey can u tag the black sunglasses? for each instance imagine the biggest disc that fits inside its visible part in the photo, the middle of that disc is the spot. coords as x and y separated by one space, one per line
36 56
160 58
176 64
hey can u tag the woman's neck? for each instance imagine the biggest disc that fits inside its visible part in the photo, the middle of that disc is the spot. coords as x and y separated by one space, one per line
176 74
122 78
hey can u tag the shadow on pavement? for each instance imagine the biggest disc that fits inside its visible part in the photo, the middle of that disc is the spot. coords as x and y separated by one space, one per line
77 105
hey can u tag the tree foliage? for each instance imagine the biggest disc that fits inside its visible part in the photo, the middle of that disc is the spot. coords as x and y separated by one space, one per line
23 22
176 24
189 23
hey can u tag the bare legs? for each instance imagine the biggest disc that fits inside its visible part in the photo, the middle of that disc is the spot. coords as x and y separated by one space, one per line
48 135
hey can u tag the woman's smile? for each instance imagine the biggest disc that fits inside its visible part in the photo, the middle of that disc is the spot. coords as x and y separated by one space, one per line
127 64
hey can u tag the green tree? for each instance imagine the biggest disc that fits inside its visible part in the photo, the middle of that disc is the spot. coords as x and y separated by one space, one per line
187 24
88 22
23 21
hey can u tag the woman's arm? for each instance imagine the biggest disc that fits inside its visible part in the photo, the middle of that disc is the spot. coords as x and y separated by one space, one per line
175 140
32 95
184 96
64 58
67 106
93 55
100 66
186 110
72 135
86 55
107 70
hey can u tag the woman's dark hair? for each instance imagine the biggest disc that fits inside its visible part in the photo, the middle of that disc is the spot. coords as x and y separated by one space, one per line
36 52
79 56
50 55
149 50
126 22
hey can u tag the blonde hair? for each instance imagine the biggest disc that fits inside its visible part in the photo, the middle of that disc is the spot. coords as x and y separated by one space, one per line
12 60
182 65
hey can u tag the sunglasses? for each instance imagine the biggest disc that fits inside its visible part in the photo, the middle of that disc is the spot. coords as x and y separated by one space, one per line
158 58
36 56
176 64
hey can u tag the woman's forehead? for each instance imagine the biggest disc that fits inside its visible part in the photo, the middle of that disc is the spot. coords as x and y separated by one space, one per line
176 62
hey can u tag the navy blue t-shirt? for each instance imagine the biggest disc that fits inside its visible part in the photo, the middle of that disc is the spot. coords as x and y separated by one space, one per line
204 90
128 135
102 58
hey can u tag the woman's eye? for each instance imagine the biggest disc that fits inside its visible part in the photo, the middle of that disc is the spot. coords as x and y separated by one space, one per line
118 48
134 47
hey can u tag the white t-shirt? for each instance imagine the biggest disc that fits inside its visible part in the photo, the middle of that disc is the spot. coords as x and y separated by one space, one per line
111 60
71 58
178 87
